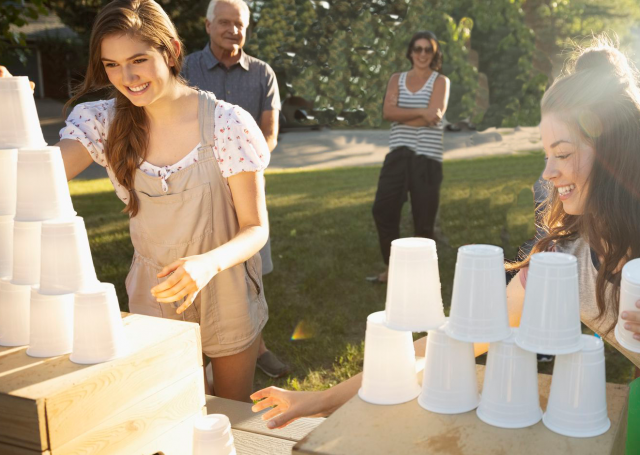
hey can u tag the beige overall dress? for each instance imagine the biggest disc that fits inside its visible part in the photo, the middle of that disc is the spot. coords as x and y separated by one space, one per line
195 216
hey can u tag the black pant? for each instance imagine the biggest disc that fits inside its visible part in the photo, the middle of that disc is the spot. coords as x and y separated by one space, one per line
404 172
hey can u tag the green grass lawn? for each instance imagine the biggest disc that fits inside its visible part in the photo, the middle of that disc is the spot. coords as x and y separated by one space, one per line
324 243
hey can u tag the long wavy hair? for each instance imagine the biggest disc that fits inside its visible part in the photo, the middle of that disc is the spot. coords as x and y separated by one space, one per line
436 61
599 100
128 135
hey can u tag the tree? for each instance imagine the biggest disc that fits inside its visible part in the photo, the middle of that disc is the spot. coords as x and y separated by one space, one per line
17 14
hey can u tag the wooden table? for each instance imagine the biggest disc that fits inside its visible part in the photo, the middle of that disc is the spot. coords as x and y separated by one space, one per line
252 437
362 428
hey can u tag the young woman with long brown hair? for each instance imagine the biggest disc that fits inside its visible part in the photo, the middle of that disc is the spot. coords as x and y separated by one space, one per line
591 135
189 169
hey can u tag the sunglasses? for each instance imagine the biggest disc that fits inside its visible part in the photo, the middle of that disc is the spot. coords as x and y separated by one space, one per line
420 50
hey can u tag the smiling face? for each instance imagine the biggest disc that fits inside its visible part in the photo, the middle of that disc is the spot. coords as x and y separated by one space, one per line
422 53
228 29
138 70
569 163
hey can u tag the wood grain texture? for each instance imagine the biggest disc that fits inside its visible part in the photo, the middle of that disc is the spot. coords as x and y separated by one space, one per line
176 441
362 428
80 408
75 397
243 418
247 443
143 422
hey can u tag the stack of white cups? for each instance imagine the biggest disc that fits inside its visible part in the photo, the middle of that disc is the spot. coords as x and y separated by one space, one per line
414 304
550 324
12 323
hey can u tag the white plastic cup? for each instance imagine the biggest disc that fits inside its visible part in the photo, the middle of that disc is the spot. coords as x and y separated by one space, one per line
98 331
14 313
66 264
6 245
19 123
479 302
51 324
449 382
577 405
629 295
550 321
43 192
8 181
510 396
212 436
389 371
414 300
26 252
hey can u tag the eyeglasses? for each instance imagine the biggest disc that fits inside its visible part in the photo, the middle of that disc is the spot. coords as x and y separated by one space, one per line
420 50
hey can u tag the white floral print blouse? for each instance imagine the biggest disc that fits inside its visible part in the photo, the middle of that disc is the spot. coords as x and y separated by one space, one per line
239 145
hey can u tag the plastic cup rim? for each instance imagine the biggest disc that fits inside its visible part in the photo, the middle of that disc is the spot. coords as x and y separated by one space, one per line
438 410
411 242
481 250
576 434
389 402
545 258
550 350
472 339
495 423
411 327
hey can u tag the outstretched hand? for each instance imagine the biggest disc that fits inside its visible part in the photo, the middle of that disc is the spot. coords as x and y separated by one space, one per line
632 321
187 278
288 405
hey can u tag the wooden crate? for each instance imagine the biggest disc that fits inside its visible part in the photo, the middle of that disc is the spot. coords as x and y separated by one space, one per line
57 407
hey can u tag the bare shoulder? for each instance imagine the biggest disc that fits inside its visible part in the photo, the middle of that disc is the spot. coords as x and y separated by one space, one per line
442 80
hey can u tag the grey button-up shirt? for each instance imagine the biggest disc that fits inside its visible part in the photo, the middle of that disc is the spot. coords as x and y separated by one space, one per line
250 83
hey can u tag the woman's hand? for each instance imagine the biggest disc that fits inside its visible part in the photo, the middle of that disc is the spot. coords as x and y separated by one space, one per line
188 276
288 405
632 321
432 116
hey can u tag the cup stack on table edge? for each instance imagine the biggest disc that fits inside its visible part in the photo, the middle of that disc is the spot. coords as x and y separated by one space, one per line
550 324
45 261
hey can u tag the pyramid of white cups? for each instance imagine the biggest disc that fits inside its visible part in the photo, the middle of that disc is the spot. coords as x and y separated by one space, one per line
50 297
550 324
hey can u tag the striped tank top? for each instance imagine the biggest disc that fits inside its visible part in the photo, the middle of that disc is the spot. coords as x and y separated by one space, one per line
424 140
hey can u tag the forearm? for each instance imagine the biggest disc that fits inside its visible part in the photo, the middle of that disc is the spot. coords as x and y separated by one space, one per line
245 244
272 139
401 114
339 394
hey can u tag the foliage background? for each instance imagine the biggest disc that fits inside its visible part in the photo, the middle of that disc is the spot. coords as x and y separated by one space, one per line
339 54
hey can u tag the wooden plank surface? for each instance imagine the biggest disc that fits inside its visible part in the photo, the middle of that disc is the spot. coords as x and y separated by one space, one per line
362 428
243 418
247 443
79 397
143 422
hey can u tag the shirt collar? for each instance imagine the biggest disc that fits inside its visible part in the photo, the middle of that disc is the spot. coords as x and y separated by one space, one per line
212 61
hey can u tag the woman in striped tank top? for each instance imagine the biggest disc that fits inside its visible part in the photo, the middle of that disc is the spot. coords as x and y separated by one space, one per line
415 102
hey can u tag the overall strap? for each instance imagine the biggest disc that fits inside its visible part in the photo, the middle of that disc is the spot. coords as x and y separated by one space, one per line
206 115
